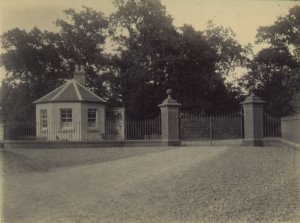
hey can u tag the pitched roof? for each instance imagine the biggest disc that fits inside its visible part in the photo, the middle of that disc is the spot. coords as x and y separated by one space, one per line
71 91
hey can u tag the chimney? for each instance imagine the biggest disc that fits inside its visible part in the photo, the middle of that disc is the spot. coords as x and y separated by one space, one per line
79 74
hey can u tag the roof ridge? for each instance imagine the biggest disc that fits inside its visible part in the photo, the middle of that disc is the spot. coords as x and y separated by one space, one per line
66 85
49 93
71 90
77 90
90 91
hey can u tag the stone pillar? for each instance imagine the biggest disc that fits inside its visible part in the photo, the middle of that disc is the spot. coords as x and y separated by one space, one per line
170 121
118 121
253 120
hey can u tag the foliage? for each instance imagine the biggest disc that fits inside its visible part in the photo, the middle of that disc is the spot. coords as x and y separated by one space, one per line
33 66
276 69
230 53
152 55
37 61
145 35
82 40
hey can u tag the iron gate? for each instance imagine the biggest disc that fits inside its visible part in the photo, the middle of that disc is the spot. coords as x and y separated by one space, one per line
272 126
211 127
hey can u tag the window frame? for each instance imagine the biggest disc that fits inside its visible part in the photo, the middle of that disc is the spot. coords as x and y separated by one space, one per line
66 118
44 119
93 119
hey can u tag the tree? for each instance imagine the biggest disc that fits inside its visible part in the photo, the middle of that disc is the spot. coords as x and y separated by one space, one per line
37 61
193 73
230 53
271 70
33 67
154 55
144 34
276 69
82 40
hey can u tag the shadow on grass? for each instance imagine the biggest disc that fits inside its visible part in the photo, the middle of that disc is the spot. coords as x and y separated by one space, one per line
42 160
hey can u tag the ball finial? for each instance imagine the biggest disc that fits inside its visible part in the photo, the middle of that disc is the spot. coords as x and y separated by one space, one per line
169 92
251 89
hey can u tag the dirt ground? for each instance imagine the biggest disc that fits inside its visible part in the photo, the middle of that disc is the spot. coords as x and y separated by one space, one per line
185 184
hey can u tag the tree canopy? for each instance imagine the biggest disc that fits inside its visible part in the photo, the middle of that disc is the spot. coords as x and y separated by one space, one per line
276 68
152 55
37 61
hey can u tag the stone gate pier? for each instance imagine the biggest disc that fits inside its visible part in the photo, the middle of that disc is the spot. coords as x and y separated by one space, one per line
170 121
253 108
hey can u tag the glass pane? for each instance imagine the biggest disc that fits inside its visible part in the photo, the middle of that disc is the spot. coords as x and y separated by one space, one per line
43 118
66 117
92 117
91 124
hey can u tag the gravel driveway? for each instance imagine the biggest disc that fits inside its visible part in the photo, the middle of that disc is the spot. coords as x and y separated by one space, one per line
187 184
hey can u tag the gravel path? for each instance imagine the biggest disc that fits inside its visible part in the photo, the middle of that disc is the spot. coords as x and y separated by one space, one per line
242 185
188 184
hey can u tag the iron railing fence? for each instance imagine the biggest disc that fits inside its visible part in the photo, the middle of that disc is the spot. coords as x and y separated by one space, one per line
84 131
227 126
272 126
143 129
217 126
25 130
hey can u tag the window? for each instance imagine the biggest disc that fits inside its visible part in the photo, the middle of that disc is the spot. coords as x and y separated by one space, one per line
66 117
43 118
92 118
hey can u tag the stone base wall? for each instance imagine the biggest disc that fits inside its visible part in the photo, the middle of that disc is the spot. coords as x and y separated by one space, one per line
290 128
80 144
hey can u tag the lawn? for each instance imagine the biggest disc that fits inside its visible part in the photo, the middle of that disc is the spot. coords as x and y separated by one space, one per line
186 184
43 160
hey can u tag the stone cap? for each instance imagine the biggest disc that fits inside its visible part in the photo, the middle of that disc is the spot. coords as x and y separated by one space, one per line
169 101
253 99
291 117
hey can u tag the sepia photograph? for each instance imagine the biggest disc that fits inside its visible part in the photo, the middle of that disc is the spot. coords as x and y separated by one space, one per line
149 111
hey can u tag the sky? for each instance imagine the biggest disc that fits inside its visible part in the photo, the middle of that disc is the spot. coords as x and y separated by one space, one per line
242 16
